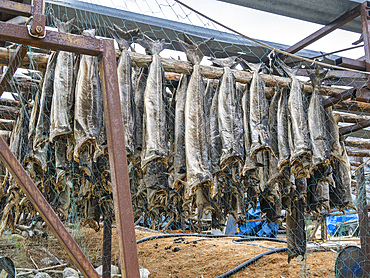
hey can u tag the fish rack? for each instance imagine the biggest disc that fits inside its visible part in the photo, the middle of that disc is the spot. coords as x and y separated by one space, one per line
354 100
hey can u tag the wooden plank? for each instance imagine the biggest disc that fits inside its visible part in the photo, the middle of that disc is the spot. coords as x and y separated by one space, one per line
357 142
14 63
340 21
358 152
355 106
350 118
8 112
352 128
6 124
338 98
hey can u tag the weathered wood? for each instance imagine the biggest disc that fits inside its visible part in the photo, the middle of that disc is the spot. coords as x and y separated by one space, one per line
8 112
338 98
176 66
356 106
6 124
13 64
357 152
350 118
357 142
352 128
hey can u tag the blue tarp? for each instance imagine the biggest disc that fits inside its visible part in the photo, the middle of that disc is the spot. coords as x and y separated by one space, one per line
334 222
258 228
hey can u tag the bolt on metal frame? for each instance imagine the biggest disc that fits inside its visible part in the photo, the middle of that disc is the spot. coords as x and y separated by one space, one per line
36 35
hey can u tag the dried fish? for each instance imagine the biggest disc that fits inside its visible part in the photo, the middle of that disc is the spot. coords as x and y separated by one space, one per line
43 123
198 162
229 116
300 138
61 115
88 104
126 88
179 161
296 234
340 192
259 113
155 104
334 139
317 127
139 112
283 131
250 168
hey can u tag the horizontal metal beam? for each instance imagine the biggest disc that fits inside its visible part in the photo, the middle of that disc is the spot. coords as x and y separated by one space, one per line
54 40
350 63
339 22
15 8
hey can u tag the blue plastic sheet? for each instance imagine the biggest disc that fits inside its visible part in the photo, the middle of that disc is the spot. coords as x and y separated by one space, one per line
334 222
258 228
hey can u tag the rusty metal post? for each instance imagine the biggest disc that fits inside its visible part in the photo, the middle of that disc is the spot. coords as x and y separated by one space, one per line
47 213
362 216
107 244
118 162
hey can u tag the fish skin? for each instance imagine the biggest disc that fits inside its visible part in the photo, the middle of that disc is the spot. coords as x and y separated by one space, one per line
43 122
179 160
334 138
299 132
283 131
229 120
126 88
139 112
155 104
260 131
296 234
88 104
215 139
196 142
318 129
34 115
340 192
251 166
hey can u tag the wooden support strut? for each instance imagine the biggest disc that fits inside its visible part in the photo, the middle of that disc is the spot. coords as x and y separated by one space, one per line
14 63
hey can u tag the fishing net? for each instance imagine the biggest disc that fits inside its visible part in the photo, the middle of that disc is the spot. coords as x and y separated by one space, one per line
224 135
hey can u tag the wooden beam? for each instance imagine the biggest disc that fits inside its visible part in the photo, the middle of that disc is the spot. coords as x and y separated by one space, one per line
357 142
357 152
355 106
352 128
338 98
176 66
6 124
14 63
350 118
340 21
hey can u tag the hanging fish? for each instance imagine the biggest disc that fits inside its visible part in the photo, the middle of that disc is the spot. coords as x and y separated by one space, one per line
126 88
317 127
198 162
295 221
179 160
230 126
300 147
42 129
258 112
88 104
139 112
283 131
340 192
155 105
61 115
336 152
250 168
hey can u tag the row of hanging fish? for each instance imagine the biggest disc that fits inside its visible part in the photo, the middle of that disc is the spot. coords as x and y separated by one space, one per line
208 147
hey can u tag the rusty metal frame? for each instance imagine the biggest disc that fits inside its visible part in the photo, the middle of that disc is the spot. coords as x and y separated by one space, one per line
104 49
339 22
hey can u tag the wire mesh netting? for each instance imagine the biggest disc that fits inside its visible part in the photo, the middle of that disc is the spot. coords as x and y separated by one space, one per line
228 142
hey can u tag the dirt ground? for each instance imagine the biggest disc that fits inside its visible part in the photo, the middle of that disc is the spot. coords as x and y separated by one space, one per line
174 257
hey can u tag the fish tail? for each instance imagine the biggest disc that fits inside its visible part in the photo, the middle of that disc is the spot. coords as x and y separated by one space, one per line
64 27
123 38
